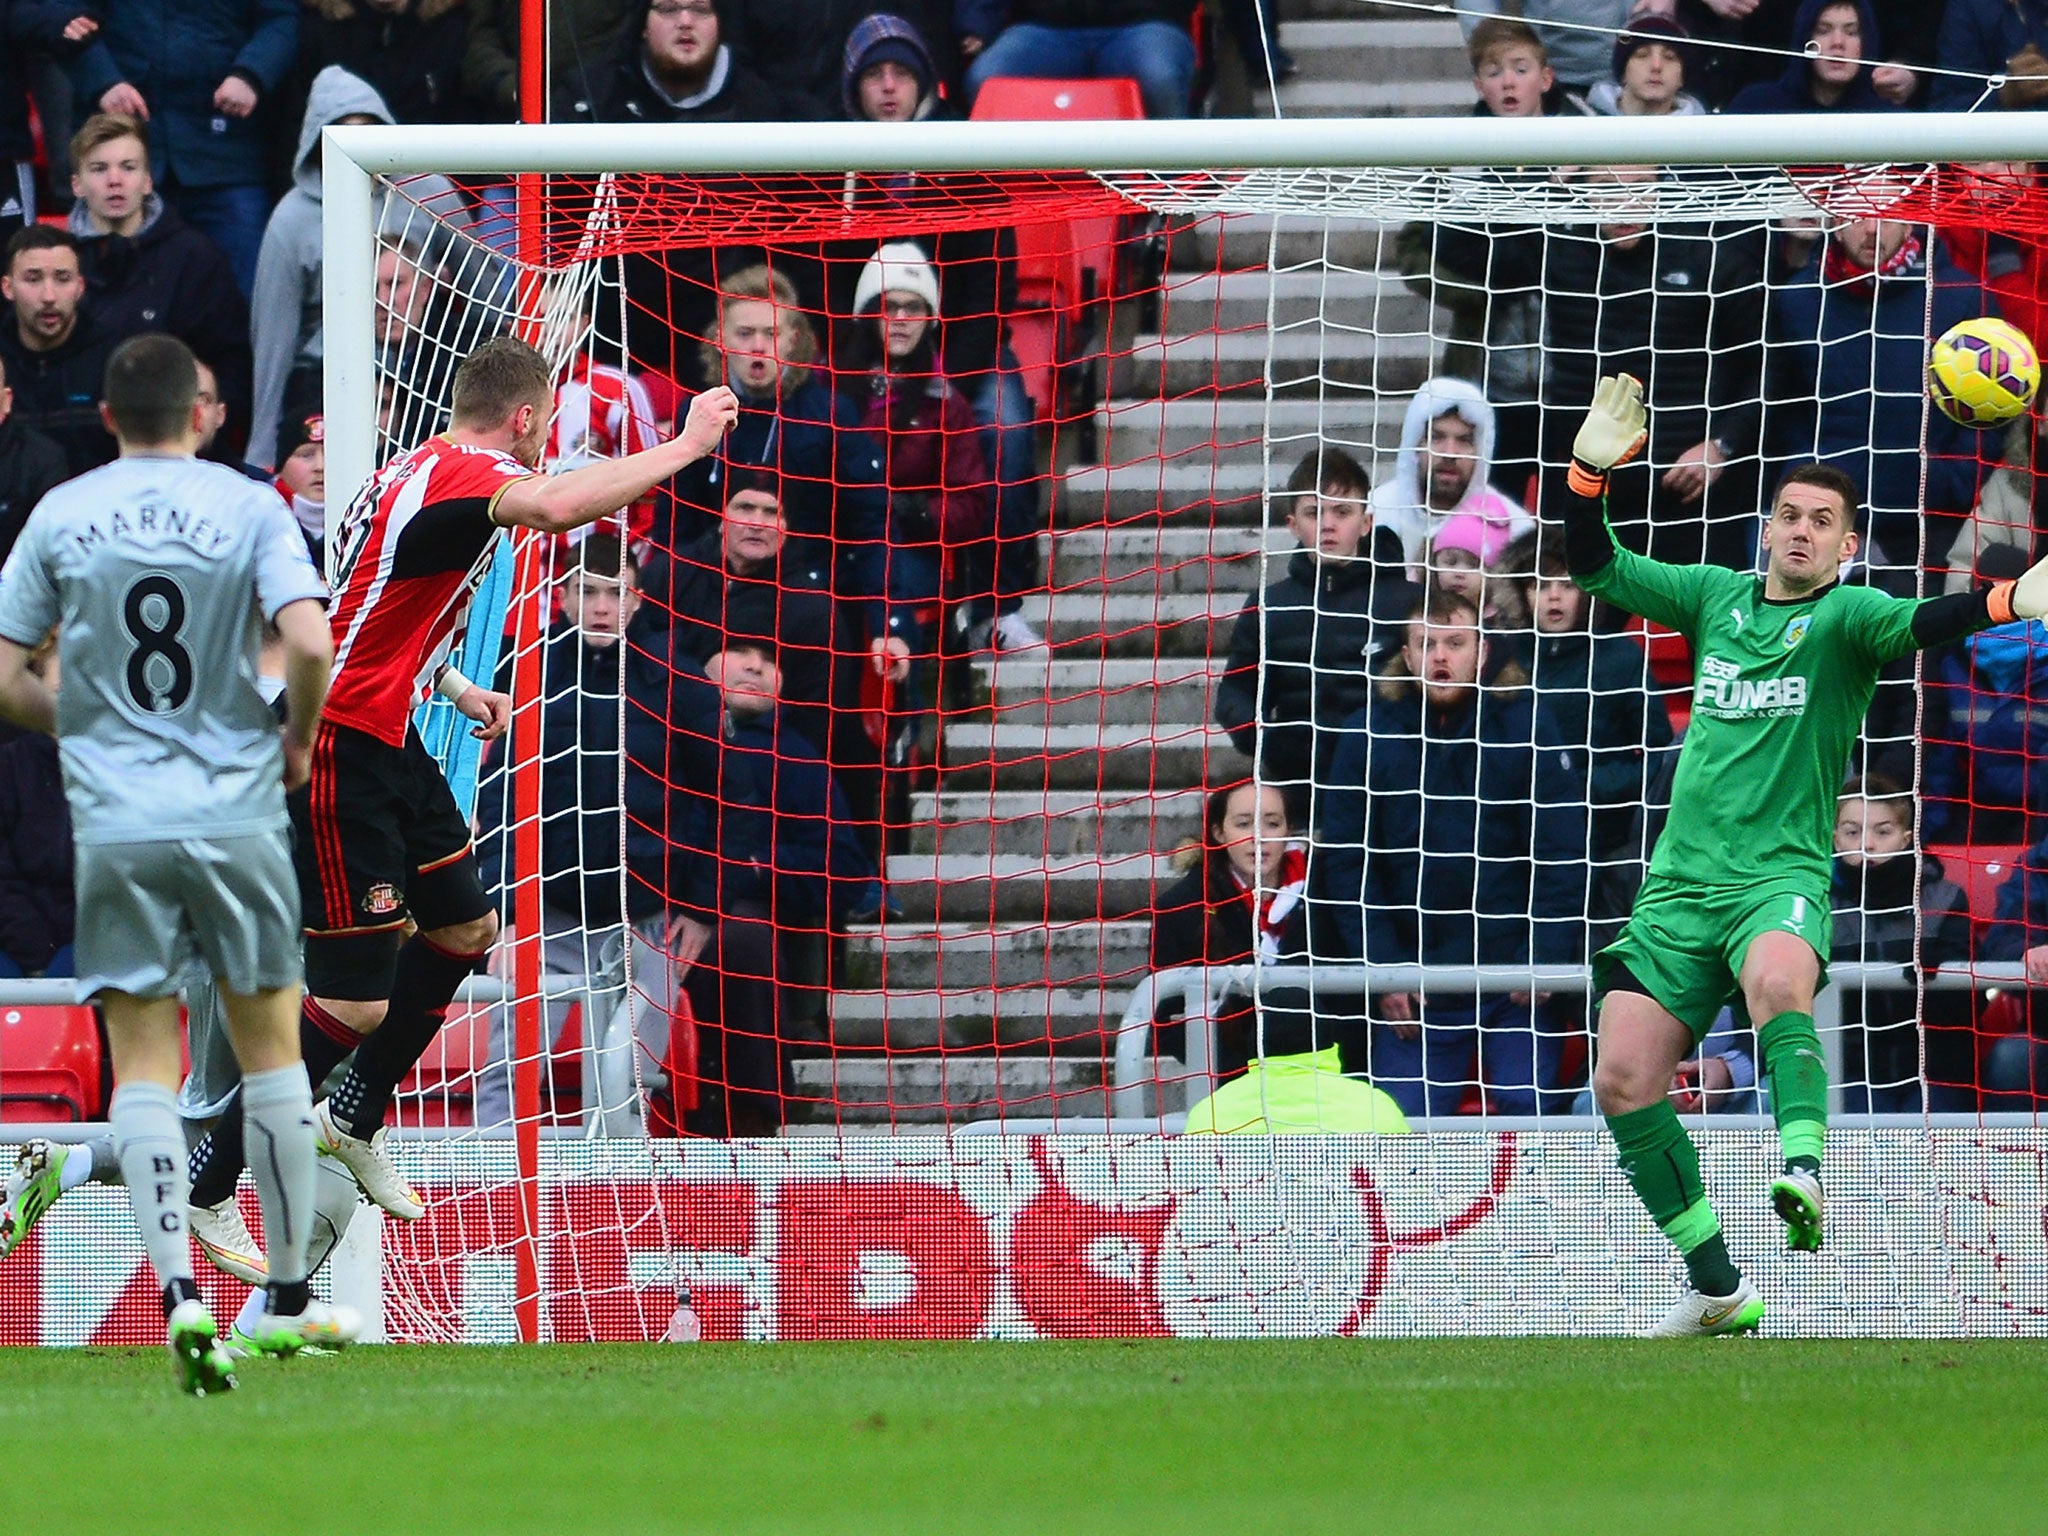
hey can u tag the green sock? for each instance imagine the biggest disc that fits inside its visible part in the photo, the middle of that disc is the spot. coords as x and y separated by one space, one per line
1798 1075
1663 1168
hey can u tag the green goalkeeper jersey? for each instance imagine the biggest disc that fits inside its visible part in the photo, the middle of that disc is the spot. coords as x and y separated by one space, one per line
1779 692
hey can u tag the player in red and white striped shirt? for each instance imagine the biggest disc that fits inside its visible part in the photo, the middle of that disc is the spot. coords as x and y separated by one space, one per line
602 412
380 839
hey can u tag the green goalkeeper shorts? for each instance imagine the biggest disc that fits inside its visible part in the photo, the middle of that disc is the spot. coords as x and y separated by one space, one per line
1685 943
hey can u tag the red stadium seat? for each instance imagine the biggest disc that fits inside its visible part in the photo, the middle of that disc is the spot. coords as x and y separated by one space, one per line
1980 871
50 1058
1010 99
1670 667
667 1106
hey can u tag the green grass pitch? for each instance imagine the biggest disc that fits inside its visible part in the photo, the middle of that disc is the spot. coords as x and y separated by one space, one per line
1470 1436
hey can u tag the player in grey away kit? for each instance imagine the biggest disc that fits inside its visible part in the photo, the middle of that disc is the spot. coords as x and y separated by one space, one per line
155 571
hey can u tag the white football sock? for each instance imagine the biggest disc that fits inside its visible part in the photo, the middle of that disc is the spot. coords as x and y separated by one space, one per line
152 1142
277 1120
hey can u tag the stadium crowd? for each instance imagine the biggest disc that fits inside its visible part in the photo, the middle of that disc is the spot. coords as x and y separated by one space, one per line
1460 758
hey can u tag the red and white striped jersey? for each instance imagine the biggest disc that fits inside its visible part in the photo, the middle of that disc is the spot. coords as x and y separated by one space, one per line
409 553
602 412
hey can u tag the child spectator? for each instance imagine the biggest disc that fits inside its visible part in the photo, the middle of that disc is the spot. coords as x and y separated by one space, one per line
1892 905
54 355
30 464
1833 39
146 269
205 86
1578 47
302 478
799 46
409 51
1443 469
1241 899
1595 695
1343 600
1448 839
1511 73
1649 73
285 311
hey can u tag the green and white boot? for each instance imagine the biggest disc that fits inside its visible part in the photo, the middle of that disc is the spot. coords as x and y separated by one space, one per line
1706 1317
1796 1197
203 1367
30 1190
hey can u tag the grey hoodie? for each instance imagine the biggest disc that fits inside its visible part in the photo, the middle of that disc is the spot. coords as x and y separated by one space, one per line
285 305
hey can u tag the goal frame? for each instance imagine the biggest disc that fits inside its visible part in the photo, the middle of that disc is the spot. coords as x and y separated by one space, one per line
353 156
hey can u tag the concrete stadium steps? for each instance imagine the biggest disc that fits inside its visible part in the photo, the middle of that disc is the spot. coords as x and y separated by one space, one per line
1134 429
1377 52
1089 623
1292 362
1157 559
961 957
1258 300
1056 824
1254 242
1113 691
1086 757
948 1088
979 1018
986 890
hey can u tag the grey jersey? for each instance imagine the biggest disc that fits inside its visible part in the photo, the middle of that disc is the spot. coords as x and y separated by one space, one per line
155 569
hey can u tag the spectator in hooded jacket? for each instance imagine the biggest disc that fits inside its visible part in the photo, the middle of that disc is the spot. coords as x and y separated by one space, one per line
735 831
1983 38
1744 43
55 356
1892 905
799 46
37 912
1302 650
1447 838
1837 76
582 922
409 51
1242 898
1849 337
1442 471
941 495
205 87
30 465
1143 40
285 312
676 68
146 269
889 76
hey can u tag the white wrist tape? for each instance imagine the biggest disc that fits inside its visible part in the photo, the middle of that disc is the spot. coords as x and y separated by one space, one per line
452 685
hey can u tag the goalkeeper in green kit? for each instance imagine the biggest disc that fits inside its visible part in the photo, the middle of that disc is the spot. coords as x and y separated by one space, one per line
1735 906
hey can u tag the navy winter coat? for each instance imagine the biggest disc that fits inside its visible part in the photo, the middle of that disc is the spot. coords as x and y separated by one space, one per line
36 907
1978 37
579 784
723 810
1457 836
1838 360
2021 919
177 53
832 489
1793 90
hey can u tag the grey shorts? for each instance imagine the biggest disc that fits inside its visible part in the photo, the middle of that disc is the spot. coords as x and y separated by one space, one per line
146 911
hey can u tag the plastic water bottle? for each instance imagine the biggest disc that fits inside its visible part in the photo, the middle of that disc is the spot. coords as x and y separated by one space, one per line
685 1327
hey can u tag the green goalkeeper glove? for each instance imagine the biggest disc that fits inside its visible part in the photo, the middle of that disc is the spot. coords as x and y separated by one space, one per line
1613 432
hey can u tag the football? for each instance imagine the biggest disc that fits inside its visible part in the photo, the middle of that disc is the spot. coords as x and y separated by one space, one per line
1983 372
